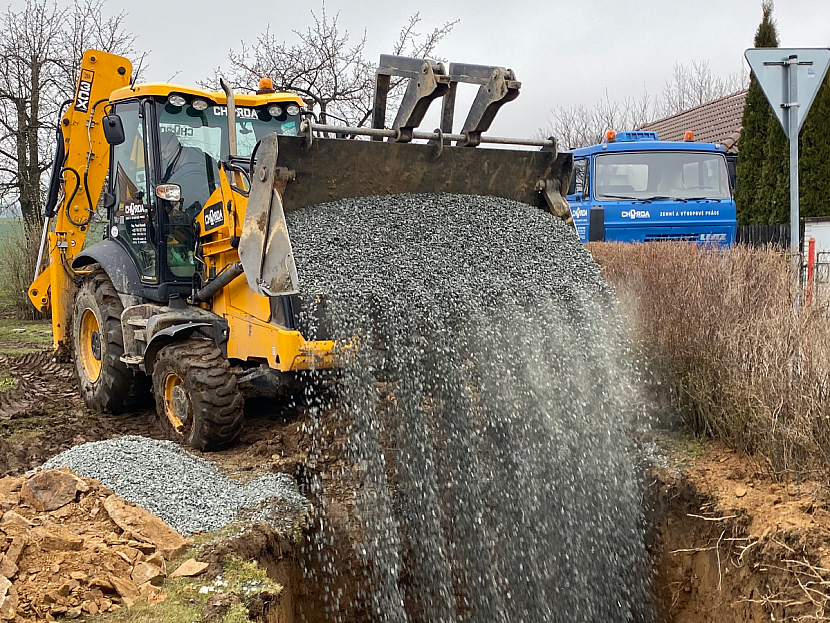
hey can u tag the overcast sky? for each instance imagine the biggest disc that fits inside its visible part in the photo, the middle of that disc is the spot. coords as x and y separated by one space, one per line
563 52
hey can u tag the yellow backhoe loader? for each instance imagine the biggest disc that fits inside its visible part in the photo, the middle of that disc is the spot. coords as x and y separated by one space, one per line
169 259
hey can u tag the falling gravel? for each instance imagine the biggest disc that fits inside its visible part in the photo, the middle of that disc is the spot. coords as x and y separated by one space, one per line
189 493
485 399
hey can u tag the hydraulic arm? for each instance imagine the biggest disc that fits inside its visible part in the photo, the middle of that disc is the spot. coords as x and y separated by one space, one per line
78 173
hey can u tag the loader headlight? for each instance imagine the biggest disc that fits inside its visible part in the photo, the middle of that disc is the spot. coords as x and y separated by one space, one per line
199 104
274 110
292 109
176 100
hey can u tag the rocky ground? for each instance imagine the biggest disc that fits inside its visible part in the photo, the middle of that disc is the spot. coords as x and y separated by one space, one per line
72 547
83 552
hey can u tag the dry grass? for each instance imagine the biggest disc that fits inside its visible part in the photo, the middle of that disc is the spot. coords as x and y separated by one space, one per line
718 329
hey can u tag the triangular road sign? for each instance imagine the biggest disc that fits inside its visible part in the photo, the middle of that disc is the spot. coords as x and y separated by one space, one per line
770 68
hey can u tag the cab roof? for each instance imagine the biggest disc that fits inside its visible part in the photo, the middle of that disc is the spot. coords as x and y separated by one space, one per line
165 89
646 144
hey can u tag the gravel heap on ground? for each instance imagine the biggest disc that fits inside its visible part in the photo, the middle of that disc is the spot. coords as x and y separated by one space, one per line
189 493
485 412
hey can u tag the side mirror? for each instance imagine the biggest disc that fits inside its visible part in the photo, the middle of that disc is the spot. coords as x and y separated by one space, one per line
109 200
113 129
171 193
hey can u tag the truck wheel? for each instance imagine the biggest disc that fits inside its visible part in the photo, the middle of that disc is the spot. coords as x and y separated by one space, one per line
105 381
197 399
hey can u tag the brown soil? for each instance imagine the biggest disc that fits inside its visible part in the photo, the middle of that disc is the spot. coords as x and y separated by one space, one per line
74 559
42 414
733 545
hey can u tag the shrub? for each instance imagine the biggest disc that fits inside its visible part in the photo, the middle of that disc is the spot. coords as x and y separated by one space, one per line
718 330
19 267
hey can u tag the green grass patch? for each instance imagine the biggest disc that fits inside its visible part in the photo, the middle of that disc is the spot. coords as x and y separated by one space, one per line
26 331
6 380
20 337
186 598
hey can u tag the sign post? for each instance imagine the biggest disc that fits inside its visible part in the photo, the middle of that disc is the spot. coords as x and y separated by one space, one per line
790 78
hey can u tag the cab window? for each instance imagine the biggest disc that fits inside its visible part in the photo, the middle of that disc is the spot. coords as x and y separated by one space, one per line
579 179
131 221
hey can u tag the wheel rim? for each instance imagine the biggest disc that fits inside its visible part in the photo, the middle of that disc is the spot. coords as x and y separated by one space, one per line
177 406
89 346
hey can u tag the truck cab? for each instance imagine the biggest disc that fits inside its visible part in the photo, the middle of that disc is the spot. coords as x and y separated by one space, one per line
633 187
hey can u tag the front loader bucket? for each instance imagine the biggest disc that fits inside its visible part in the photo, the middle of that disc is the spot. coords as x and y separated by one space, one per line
296 171
264 246
291 174
331 169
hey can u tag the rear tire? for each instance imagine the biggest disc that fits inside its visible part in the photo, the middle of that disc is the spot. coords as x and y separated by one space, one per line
105 381
197 398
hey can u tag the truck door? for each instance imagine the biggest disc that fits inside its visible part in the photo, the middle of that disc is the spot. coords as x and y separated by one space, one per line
579 196
130 222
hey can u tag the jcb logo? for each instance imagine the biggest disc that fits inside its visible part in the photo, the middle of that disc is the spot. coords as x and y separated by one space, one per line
84 90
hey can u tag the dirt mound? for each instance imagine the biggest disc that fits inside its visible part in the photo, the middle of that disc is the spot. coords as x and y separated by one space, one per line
70 547
733 545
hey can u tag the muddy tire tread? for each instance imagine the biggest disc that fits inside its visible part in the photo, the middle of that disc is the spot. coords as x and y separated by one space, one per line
215 398
117 379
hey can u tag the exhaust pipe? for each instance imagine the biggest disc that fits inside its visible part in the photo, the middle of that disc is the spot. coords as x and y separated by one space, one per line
217 283
231 116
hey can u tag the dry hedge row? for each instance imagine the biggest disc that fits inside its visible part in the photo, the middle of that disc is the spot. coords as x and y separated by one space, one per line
717 328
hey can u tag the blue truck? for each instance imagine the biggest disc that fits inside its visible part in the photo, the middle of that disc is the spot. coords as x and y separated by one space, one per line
633 187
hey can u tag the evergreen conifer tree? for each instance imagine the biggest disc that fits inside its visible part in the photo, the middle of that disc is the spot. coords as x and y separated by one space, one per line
756 124
814 156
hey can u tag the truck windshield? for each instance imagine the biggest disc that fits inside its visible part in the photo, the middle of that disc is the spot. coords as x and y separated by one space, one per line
679 175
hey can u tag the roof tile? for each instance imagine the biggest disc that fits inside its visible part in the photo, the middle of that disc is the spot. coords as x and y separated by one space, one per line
718 121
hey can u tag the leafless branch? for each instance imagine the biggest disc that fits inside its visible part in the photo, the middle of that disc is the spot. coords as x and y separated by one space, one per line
325 66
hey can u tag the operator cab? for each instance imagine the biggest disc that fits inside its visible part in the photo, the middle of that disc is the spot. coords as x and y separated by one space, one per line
175 137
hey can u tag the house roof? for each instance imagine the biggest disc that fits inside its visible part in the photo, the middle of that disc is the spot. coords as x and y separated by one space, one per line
718 121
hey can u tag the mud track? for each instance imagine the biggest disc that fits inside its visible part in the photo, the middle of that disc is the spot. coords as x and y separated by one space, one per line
42 414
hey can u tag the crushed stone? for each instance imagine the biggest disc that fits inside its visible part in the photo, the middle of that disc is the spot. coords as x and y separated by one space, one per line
187 492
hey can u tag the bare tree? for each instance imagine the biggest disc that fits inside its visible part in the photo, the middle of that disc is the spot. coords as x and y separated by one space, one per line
696 85
579 125
325 67
40 51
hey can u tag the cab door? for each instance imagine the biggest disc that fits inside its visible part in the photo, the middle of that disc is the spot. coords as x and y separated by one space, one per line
579 196
130 218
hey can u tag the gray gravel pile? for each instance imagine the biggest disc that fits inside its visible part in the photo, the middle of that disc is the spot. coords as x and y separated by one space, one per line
486 410
408 244
189 493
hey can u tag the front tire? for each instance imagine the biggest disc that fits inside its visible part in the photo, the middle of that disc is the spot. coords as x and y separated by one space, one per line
105 381
197 398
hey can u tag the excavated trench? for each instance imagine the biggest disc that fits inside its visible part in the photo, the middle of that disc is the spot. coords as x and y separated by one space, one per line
715 558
